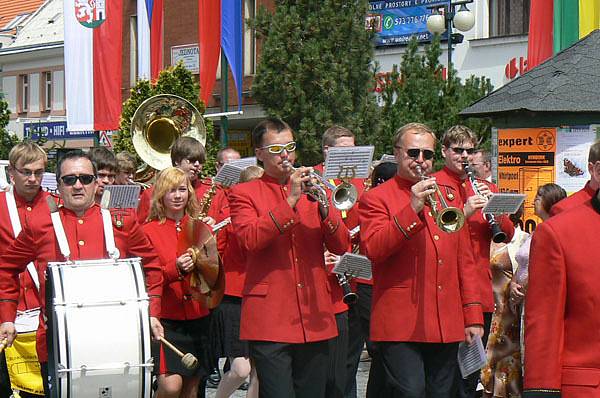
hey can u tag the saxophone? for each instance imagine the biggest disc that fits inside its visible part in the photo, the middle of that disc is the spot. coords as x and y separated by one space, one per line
207 199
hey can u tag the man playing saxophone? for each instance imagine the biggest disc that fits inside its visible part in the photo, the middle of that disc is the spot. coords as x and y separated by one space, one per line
287 314
425 297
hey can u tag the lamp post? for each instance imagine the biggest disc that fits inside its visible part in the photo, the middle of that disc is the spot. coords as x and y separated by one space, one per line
442 18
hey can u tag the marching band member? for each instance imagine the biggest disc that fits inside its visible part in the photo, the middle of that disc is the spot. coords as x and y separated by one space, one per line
590 187
482 164
126 166
287 315
27 162
458 147
83 226
106 167
561 306
189 155
225 331
184 320
425 296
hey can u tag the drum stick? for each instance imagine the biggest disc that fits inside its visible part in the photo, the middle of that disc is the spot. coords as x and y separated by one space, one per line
188 360
3 344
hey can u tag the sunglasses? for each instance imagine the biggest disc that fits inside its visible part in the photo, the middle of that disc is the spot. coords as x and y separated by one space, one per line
70 180
459 151
276 149
414 153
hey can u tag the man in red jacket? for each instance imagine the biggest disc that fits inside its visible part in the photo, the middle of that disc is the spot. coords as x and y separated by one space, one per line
425 295
83 226
458 148
590 187
561 314
287 314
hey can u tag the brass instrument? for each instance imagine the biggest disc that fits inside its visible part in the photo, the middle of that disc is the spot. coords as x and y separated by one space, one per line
498 235
343 196
155 126
448 219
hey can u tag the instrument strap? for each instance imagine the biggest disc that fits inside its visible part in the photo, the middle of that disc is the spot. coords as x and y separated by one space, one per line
109 236
16 226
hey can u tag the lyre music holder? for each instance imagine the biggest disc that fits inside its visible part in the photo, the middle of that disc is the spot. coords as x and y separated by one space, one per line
353 265
348 162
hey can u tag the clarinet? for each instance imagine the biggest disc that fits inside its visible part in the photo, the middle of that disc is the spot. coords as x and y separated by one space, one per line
349 296
498 235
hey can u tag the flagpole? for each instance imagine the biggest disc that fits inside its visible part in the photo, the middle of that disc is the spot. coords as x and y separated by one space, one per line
224 99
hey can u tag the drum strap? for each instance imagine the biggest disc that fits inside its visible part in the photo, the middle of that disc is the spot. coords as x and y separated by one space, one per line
16 226
109 237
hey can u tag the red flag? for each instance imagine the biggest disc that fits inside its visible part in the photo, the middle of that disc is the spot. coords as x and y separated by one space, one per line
209 21
540 45
156 39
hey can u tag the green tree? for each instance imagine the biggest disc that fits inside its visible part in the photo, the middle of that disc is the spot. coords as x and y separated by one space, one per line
316 69
418 91
7 140
174 80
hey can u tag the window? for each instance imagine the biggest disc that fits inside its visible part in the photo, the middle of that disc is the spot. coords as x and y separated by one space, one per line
47 90
24 93
249 39
509 17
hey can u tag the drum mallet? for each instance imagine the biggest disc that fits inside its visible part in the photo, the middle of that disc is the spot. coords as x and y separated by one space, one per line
3 344
188 360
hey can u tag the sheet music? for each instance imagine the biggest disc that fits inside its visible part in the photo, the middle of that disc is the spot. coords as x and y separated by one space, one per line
504 203
388 158
228 175
471 357
123 196
243 162
350 161
354 265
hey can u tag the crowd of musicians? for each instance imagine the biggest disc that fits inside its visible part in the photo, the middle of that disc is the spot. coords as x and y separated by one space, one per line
283 323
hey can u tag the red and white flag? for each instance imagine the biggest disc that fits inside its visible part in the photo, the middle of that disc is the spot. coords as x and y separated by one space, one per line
93 50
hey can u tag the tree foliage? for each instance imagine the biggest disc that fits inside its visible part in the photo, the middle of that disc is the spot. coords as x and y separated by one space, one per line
7 140
316 69
174 80
418 91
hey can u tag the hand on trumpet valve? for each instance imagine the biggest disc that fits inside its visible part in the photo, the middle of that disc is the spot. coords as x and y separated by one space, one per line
420 192
298 180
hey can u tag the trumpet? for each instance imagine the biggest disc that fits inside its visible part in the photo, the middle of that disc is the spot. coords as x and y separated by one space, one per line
498 235
448 219
343 196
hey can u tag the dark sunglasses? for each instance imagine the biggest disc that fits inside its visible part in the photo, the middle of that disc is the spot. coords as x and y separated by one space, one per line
414 153
70 180
459 151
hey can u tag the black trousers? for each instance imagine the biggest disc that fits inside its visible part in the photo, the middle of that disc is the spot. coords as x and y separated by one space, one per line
466 388
338 356
419 370
291 370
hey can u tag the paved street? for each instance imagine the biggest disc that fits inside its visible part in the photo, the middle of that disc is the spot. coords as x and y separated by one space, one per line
361 378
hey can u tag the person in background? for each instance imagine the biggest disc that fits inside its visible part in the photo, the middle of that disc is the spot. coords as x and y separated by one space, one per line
226 155
590 188
126 166
225 327
106 166
425 294
561 305
184 319
482 163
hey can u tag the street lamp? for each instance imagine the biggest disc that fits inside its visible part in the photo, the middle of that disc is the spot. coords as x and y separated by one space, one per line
443 16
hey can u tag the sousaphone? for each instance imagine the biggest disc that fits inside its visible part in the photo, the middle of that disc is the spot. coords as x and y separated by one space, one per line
156 125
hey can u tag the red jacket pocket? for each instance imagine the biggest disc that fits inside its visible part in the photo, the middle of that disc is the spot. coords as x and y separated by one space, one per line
260 289
581 376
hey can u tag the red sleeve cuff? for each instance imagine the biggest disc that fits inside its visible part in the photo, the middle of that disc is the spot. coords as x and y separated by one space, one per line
473 314
8 311
284 217
408 222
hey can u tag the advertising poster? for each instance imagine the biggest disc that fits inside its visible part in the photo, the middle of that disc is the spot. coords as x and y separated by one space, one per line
525 161
572 148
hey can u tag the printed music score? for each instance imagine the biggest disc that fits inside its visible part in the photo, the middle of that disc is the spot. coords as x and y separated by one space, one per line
387 158
123 196
471 357
348 162
504 203
243 162
353 265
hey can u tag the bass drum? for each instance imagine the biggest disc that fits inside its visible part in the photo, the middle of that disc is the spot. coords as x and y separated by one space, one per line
99 330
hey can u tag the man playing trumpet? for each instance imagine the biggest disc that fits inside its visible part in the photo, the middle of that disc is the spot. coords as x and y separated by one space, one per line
287 314
425 297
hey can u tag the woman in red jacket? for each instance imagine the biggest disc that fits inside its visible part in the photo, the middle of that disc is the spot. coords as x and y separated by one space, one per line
185 320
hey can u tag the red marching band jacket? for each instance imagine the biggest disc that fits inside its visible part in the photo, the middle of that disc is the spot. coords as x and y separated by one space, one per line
37 242
574 200
456 192
424 287
286 295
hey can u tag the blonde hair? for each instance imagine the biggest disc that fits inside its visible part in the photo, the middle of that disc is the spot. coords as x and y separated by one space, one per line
251 173
416 128
168 179
26 152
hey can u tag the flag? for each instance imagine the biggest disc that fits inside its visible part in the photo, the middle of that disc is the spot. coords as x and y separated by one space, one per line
220 27
150 29
557 24
93 51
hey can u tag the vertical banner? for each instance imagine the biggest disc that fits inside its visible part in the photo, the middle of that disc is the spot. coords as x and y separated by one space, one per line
525 162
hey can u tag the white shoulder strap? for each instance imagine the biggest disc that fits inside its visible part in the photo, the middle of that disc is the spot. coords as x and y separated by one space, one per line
16 226
109 235
59 231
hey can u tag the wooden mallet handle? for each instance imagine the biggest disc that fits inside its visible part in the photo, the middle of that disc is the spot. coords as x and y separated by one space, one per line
171 346
3 344
188 360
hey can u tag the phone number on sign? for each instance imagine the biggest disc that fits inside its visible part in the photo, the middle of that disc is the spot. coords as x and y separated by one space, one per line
407 20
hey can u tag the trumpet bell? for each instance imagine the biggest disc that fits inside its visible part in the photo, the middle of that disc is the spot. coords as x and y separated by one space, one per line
450 219
344 196
158 122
